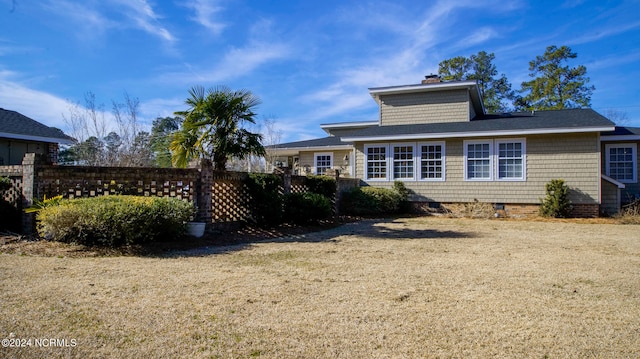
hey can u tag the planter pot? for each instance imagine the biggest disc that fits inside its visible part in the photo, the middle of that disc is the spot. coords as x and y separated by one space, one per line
196 229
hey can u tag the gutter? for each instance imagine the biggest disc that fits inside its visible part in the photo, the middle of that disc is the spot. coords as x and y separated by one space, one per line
440 135
16 136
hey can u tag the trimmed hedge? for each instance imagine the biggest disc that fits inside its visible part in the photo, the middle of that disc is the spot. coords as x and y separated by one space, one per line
304 208
370 201
114 220
323 185
266 200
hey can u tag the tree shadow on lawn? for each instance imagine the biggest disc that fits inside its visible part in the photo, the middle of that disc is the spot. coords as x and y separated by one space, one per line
220 243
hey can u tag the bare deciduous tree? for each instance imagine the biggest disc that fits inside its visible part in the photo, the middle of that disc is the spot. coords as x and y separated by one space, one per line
103 141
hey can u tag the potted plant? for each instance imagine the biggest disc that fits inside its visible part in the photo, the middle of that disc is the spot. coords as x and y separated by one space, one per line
196 228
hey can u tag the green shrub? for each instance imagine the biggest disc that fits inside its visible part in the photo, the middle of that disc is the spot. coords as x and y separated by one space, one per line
556 202
114 220
266 204
9 217
370 201
9 214
303 208
5 184
323 185
404 206
46 202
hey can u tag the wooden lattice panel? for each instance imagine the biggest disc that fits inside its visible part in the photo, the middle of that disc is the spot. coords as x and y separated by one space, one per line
299 188
229 201
14 194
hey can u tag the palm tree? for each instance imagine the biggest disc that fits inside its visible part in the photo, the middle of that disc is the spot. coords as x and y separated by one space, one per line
213 127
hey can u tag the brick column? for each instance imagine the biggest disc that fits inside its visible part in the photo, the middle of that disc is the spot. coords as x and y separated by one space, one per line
204 197
286 181
28 191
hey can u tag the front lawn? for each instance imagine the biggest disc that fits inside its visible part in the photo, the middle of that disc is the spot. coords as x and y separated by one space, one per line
414 287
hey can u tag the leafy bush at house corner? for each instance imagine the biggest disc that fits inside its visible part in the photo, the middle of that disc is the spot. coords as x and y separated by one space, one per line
5 184
9 214
404 206
114 220
556 202
370 201
266 200
9 217
323 185
304 208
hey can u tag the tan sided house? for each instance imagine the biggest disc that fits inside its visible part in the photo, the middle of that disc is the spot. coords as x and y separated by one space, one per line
437 139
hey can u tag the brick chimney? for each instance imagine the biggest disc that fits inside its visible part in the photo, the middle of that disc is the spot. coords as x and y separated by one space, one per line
431 79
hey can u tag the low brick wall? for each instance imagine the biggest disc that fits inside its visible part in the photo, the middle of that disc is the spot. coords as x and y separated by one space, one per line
221 197
507 210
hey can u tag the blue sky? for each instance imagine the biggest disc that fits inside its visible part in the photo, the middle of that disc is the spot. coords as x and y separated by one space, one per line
310 62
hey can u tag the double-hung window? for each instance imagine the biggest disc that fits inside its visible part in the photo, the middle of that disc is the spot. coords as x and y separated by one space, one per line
432 161
376 162
323 162
478 160
403 163
621 162
503 160
510 157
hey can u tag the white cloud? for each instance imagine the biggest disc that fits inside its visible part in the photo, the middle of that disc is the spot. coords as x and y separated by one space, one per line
603 33
205 15
89 19
93 19
235 63
40 106
160 107
478 36
145 17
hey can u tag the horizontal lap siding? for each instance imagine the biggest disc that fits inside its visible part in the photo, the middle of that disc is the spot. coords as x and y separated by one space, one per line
574 158
429 107
610 204
307 160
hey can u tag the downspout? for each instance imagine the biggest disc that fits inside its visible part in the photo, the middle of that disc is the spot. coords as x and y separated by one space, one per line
600 171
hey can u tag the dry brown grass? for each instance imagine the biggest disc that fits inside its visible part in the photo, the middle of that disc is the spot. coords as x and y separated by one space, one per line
416 287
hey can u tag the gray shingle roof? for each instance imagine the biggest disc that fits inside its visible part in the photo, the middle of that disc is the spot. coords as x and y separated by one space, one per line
623 131
573 120
317 142
19 126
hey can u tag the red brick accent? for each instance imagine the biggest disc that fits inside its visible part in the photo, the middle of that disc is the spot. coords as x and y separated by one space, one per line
512 210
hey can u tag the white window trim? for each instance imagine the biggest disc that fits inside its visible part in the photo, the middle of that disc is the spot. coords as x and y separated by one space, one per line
494 164
419 161
634 158
391 164
466 144
315 160
524 159
388 174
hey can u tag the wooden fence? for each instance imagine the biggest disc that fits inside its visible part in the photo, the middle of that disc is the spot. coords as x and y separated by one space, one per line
221 197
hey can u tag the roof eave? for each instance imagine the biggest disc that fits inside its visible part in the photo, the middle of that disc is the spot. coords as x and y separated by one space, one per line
439 135
17 136
375 92
620 138
294 150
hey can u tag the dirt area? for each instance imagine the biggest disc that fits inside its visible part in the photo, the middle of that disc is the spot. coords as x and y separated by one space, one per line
407 287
